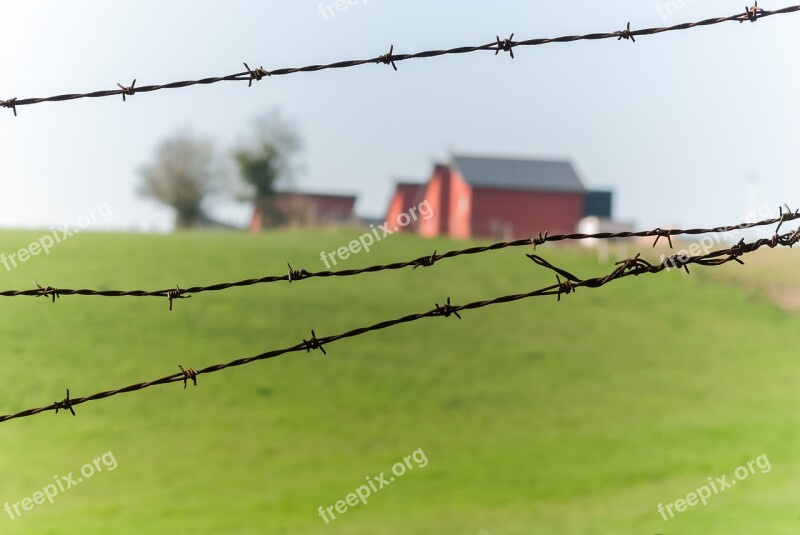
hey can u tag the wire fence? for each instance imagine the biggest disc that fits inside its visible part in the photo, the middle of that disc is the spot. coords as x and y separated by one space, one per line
295 275
565 281
634 266
508 45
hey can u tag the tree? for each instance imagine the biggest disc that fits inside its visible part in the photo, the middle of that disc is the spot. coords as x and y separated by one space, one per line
266 164
184 174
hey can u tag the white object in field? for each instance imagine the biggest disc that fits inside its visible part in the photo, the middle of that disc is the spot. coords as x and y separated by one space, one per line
597 225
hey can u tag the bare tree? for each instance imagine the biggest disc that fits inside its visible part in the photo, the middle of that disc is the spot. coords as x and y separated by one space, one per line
185 172
266 164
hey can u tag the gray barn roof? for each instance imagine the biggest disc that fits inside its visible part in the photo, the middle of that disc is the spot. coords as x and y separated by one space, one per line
509 173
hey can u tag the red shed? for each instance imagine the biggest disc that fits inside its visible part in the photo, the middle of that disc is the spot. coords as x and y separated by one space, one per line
501 198
295 209
406 196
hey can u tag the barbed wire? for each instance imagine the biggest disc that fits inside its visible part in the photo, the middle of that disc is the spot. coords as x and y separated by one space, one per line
295 275
251 75
634 266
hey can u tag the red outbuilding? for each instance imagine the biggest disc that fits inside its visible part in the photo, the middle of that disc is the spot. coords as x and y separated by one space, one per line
499 198
294 209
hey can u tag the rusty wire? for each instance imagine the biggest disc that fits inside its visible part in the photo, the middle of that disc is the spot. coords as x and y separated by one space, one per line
250 75
634 266
294 275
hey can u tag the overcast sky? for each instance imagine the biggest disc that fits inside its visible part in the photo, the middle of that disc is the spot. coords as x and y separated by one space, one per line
683 126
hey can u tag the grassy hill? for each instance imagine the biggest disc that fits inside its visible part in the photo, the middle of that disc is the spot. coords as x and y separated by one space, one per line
536 417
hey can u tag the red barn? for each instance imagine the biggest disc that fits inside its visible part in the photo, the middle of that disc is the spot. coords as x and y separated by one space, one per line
500 198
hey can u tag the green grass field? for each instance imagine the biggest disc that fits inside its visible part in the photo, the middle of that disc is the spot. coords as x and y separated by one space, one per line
536 417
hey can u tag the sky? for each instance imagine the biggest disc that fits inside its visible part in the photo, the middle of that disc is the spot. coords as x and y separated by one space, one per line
691 128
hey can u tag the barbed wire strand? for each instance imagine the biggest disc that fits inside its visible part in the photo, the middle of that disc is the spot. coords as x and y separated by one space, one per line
294 275
251 75
634 266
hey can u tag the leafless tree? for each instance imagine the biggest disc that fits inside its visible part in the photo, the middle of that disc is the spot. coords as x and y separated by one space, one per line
185 172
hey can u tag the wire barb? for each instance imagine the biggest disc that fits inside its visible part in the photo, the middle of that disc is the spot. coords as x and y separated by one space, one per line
426 261
256 74
447 310
10 103
677 262
190 374
297 274
506 45
661 233
388 58
626 34
630 266
65 404
785 216
177 293
46 290
127 90
793 238
313 343
539 240
738 250
633 265
752 13
564 287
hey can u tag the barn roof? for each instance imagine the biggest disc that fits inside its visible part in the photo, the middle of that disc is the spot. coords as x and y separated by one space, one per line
410 185
522 174
317 196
